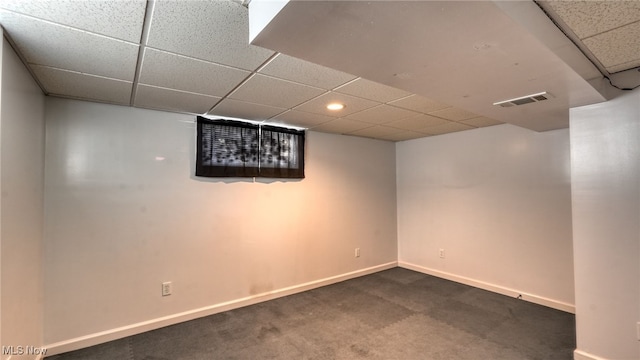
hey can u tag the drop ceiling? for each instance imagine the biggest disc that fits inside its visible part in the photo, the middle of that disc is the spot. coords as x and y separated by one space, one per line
404 70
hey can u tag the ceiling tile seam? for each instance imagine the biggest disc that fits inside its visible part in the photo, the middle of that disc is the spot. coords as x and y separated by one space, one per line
72 97
244 81
196 59
83 73
73 28
144 37
178 90
610 30
24 62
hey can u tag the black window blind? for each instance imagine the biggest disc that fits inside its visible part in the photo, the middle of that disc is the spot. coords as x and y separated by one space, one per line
228 148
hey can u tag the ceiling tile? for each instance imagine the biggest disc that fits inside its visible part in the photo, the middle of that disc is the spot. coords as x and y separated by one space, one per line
382 114
624 66
353 104
588 18
173 100
377 132
419 103
417 122
300 118
41 42
454 114
120 19
303 72
405 135
617 46
481 121
371 90
266 90
173 71
446 128
83 86
341 126
216 31
245 110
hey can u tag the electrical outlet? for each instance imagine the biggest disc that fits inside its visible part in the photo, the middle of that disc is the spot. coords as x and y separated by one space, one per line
441 253
357 253
167 288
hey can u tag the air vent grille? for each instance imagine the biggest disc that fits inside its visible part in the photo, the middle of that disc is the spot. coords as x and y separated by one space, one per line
524 99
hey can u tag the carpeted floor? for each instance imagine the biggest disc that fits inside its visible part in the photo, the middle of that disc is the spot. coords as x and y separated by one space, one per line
393 314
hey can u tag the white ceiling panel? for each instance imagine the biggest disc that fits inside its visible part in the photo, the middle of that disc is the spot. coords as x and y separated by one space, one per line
481 121
173 100
353 104
406 135
266 90
419 103
382 114
173 71
245 110
616 47
83 86
417 122
120 19
454 114
446 128
300 118
304 72
588 18
45 43
377 131
341 126
371 90
216 31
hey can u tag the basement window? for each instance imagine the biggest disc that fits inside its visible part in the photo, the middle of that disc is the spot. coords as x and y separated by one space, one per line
227 148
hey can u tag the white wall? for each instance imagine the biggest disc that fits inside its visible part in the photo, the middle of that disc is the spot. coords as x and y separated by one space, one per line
21 204
605 156
498 201
119 222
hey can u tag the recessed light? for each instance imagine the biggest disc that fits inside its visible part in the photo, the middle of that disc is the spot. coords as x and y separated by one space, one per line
336 106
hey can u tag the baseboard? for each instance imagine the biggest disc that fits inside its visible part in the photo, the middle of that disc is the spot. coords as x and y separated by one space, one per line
133 329
581 355
555 304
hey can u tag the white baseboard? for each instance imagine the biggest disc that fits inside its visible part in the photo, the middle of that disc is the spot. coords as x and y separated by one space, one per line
555 304
133 329
581 355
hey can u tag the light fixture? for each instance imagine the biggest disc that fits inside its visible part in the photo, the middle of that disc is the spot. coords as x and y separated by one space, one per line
336 106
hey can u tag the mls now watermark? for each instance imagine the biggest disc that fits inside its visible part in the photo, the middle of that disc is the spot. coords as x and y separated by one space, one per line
23 350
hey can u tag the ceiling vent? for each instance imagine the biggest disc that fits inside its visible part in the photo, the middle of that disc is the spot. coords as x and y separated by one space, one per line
524 99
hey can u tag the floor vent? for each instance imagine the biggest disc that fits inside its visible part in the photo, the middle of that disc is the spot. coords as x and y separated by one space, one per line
524 99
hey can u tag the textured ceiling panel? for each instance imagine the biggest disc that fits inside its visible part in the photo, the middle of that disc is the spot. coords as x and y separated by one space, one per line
481 121
405 135
382 114
319 104
245 110
341 126
419 103
303 119
83 86
376 132
266 90
120 19
617 47
290 68
446 128
454 114
173 71
216 31
417 122
173 100
40 43
370 90
588 18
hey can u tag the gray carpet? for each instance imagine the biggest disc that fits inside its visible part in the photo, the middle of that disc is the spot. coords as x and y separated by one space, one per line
393 314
